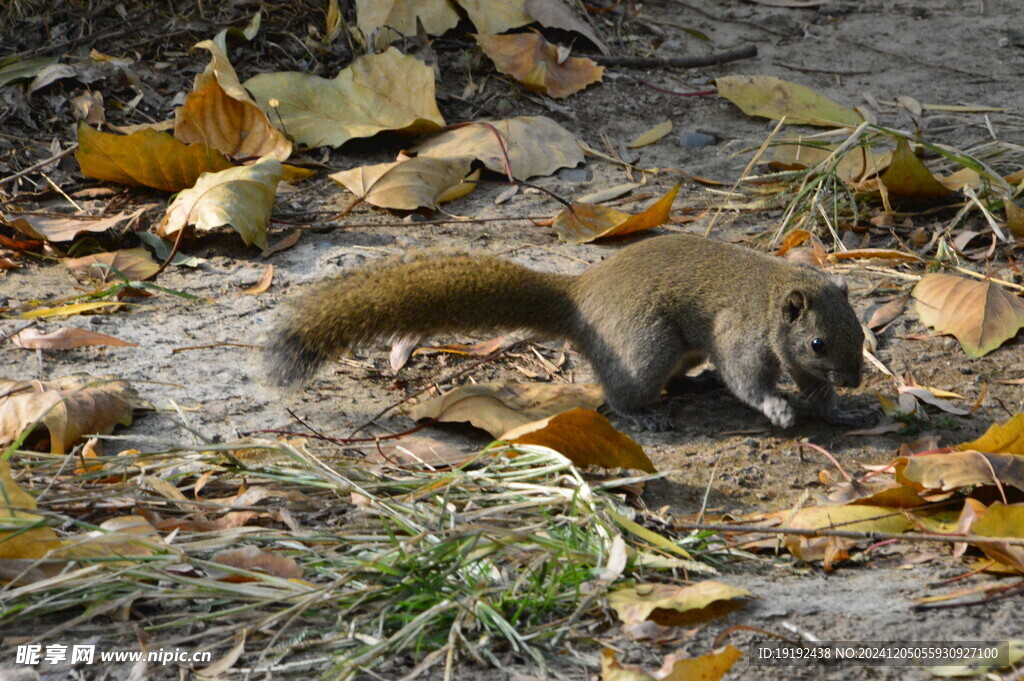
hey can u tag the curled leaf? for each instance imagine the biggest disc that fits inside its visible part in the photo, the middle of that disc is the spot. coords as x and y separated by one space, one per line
538 64
585 222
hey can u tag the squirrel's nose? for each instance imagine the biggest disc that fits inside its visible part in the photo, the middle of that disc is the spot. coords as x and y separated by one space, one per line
848 379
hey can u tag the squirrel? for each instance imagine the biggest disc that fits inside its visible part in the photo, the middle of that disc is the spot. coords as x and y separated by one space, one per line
649 313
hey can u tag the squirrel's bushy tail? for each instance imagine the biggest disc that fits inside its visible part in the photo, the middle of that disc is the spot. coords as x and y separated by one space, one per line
417 295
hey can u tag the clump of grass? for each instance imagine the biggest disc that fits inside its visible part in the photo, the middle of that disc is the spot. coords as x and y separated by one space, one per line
497 558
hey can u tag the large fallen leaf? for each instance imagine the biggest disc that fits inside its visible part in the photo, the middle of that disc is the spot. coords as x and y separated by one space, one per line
538 64
241 197
558 14
676 606
536 145
955 470
854 518
147 158
584 437
63 339
51 228
405 185
708 667
135 263
495 16
377 92
69 408
981 314
907 176
584 222
772 97
852 166
19 539
220 113
389 20
1005 438
1002 520
500 407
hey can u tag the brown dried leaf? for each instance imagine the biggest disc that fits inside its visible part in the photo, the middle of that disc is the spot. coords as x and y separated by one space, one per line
405 185
708 667
263 285
147 158
981 314
672 605
888 312
907 176
584 437
257 560
135 263
62 339
377 92
584 222
241 197
282 245
500 407
390 20
69 408
49 228
537 64
220 113
536 145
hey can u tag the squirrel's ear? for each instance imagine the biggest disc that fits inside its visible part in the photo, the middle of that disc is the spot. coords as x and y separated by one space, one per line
794 305
840 282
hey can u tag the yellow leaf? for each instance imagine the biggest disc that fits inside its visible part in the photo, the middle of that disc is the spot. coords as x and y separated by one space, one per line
390 20
241 197
147 158
708 667
954 470
771 97
17 541
389 91
907 176
652 135
405 185
464 187
1005 438
584 222
263 285
536 145
855 518
67 310
1014 217
496 16
536 63
982 315
584 437
672 605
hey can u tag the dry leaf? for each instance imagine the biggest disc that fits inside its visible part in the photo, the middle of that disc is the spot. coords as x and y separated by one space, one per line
389 20
584 437
62 339
584 222
495 16
652 135
241 197
134 263
282 245
69 310
500 407
888 312
147 158
953 470
419 451
257 560
405 185
1002 520
907 176
981 314
852 166
69 408
263 285
536 145
708 667
558 14
25 542
220 113
855 518
537 64
1006 438
1014 217
23 69
672 605
481 349
377 92
774 98
48 228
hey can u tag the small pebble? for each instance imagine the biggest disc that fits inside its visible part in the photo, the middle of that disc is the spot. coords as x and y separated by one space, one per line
694 140
576 174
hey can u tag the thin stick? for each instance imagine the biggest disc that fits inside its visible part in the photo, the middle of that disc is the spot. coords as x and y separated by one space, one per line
849 534
37 166
745 52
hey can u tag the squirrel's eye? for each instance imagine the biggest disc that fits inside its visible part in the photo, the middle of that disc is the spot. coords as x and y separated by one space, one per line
818 346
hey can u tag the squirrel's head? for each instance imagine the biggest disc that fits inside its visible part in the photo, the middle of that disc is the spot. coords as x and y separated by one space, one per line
820 333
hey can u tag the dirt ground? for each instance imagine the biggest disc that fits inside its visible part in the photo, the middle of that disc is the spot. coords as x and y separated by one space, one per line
938 52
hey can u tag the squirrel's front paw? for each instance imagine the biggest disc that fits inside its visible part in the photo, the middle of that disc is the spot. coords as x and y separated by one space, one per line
649 419
779 411
849 419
